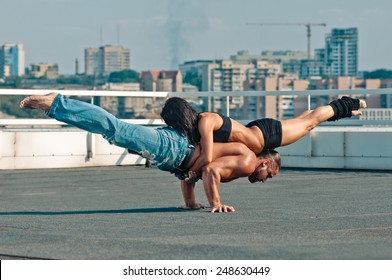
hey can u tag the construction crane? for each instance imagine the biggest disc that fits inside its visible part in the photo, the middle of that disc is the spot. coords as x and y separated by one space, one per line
307 25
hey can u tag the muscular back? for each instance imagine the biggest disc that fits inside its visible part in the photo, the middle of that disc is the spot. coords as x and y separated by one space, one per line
211 122
231 161
249 136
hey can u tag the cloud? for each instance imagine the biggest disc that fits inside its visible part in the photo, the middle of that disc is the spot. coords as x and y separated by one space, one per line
185 19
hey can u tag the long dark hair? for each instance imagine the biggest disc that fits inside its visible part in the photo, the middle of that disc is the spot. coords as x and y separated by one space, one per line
180 115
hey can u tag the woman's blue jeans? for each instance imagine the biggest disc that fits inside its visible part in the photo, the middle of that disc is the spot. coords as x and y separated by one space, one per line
164 147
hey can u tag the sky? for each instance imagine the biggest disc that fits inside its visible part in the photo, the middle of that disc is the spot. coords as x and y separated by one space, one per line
164 33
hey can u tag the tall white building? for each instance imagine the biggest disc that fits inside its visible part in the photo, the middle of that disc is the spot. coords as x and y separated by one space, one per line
341 52
12 60
106 59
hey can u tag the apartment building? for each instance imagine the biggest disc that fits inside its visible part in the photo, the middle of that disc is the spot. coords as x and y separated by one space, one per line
224 75
247 74
193 67
125 107
289 60
12 60
244 57
162 81
313 68
129 107
166 81
44 70
341 52
106 59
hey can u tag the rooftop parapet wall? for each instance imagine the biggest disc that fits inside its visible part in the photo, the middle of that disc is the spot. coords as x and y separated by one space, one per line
325 147
360 147
341 148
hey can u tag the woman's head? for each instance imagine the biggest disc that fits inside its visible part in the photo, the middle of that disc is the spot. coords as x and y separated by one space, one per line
180 115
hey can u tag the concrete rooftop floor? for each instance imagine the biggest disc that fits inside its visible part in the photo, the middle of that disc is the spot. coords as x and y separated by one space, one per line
115 213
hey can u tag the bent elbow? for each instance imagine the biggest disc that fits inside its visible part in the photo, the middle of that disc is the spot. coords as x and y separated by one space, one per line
205 160
210 171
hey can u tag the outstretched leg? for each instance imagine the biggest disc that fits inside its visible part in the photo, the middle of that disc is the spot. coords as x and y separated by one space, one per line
43 102
93 119
164 147
77 113
294 129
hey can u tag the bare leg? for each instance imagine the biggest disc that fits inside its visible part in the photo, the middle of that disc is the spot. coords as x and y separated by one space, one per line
43 102
294 129
362 104
305 114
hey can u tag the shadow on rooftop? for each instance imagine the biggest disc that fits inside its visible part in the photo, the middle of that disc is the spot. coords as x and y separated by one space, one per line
92 212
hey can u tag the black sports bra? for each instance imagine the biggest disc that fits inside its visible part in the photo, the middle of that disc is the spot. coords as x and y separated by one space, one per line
223 133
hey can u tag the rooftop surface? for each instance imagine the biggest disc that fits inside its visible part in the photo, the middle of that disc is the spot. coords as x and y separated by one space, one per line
130 213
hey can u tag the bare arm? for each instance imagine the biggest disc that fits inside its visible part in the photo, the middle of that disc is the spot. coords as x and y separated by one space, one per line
188 192
208 122
225 169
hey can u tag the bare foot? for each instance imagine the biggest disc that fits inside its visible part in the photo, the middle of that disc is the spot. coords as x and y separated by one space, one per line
43 102
362 104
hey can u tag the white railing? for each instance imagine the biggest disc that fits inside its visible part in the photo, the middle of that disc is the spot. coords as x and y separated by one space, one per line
25 144
209 95
384 114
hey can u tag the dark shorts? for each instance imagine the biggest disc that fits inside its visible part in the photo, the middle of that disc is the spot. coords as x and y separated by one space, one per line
272 132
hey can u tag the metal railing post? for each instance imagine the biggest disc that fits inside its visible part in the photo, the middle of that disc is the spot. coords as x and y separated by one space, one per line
308 152
90 140
228 106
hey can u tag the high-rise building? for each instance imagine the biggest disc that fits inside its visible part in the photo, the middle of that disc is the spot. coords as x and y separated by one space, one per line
12 60
341 52
106 59
93 61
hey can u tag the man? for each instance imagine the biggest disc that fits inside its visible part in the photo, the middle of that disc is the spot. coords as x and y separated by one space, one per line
165 147
238 162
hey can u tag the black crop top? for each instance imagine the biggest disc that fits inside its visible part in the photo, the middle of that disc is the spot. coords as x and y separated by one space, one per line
223 133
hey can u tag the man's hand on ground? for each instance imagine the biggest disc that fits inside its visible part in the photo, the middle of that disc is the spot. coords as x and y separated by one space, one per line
222 208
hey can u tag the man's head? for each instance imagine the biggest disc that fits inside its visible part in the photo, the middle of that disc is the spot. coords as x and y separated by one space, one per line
269 166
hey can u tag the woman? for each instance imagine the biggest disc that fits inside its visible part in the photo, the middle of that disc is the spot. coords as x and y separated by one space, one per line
259 135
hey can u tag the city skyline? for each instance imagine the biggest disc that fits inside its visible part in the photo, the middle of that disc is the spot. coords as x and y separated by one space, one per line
163 34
